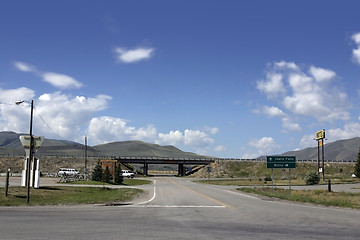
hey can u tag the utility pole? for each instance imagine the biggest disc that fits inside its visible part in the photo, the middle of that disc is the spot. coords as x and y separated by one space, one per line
85 168
31 153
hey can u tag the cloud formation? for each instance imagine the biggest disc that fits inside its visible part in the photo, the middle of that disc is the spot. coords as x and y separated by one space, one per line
133 55
58 80
312 93
356 52
264 146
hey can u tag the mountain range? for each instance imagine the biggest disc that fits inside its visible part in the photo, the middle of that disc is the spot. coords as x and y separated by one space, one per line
342 150
11 145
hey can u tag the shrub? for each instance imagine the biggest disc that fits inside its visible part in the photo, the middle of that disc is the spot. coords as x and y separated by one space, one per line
118 174
357 165
107 175
97 173
312 178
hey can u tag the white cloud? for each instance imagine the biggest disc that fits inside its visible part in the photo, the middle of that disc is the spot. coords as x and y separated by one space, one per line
289 125
289 65
220 148
356 52
24 67
133 55
212 130
197 138
108 129
58 80
350 130
272 86
15 117
273 111
175 138
264 146
308 141
66 115
55 114
322 75
61 81
304 94
14 95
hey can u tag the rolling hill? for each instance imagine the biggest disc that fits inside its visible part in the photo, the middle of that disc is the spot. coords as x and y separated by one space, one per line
338 151
10 145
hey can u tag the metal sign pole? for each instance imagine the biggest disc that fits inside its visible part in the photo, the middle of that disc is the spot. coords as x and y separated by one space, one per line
323 159
272 179
290 180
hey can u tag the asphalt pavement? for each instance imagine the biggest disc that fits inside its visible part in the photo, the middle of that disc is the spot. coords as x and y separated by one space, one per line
177 208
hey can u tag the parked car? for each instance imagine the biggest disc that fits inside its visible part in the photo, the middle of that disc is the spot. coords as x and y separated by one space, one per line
127 173
67 172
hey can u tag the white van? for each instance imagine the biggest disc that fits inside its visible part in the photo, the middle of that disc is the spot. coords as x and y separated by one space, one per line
68 172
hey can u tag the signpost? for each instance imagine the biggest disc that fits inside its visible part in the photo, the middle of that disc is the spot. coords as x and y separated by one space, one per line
31 171
280 162
320 136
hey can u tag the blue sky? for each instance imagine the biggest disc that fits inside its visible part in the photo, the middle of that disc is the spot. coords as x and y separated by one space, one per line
223 78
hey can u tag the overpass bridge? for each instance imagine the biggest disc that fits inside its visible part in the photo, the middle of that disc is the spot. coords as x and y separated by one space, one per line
181 162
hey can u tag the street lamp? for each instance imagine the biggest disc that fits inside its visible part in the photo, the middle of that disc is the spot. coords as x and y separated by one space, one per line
31 149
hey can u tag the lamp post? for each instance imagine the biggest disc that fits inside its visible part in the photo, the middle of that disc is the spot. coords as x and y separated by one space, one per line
31 149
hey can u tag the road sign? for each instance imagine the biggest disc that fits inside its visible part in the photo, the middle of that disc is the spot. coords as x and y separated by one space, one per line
25 141
320 134
281 162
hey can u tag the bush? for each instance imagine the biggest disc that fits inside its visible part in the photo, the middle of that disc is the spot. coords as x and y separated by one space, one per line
97 173
357 165
107 175
312 178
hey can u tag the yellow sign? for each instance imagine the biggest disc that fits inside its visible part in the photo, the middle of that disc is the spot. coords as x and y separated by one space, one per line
320 143
320 134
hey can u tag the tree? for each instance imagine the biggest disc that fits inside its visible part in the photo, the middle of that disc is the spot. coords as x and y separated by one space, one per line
97 173
357 165
107 175
118 174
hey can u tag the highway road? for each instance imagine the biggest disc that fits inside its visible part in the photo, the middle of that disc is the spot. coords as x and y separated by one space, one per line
176 208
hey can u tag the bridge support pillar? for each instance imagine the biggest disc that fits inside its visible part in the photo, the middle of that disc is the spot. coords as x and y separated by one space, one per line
181 171
146 168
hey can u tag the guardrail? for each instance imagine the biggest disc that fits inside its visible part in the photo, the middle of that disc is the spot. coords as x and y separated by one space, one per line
169 158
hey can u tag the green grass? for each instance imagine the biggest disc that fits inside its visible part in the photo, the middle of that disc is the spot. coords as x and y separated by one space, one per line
126 182
322 197
66 195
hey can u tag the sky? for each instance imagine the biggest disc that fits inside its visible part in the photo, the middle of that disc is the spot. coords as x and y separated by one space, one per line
232 79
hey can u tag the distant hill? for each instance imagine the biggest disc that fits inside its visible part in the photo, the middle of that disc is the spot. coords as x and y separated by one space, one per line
339 150
142 149
11 145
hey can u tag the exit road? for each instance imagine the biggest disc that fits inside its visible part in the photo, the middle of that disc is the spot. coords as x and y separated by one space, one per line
176 208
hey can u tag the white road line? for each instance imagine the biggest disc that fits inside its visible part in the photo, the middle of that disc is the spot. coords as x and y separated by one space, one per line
154 195
173 206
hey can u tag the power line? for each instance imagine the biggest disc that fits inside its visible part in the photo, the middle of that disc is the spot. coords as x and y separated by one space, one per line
49 125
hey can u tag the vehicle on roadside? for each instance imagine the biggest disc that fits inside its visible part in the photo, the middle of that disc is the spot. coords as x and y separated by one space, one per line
68 172
127 173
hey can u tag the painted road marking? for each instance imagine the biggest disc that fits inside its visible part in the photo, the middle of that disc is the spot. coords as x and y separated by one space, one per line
204 196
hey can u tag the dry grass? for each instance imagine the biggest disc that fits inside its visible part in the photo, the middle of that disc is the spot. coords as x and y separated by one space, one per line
322 197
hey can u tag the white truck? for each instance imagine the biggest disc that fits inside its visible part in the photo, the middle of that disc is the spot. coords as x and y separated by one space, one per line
127 173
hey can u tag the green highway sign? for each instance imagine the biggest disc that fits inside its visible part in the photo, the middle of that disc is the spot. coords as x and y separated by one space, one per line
281 162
